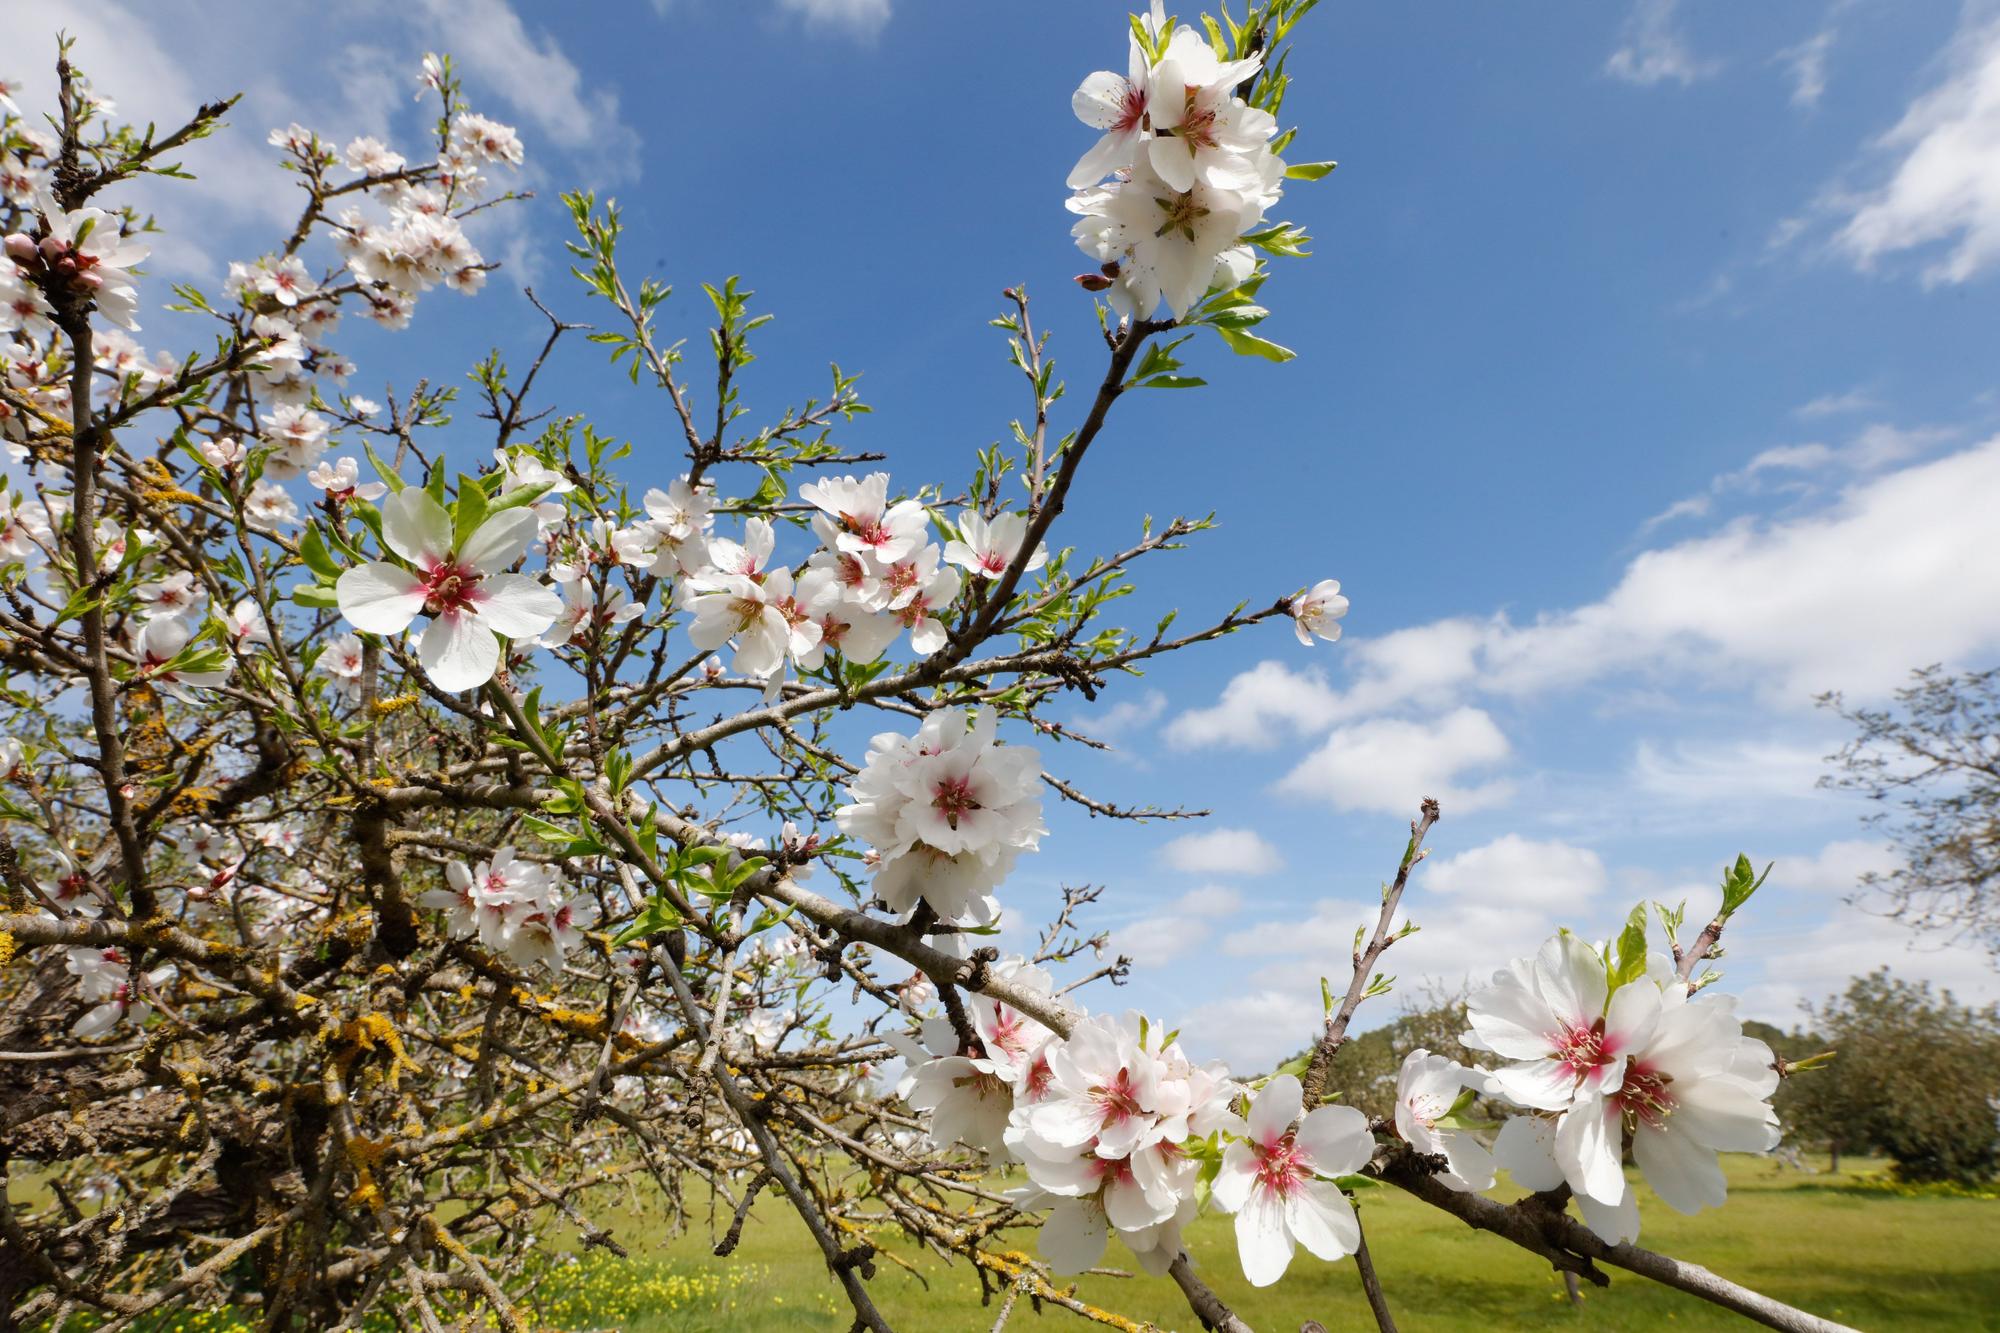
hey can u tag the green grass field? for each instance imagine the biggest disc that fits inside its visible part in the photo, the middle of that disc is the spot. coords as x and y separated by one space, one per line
1866 1256
1842 1246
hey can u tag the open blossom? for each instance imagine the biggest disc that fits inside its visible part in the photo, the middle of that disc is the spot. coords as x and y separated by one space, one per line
1317 611
1166 243
586 610
23 308
1647 1064
459 585
177 594
846 625
1547 1014
1428 1088
765 1028
971 1093
270 507
987 547
736 607
673 539
1116 104
341 480
856 517
371 157
1202 130
948 809
156 643
514 907
486 139
285 280
1279 1180
1102 1140
341 662
300 435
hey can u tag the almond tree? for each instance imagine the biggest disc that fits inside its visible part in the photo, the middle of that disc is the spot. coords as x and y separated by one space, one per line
346 956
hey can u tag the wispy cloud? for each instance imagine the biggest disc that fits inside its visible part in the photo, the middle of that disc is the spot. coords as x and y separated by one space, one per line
861 17
1780 609
1942 189
1806 64
1654 49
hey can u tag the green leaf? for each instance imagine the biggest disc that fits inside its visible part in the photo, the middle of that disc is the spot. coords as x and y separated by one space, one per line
1310 171
470 510
656 916
1249 344
312 549
382 469
1739 882
1630 962
1171 382
315 595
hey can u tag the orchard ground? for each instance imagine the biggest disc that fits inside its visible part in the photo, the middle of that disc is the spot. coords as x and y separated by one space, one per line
1851 1247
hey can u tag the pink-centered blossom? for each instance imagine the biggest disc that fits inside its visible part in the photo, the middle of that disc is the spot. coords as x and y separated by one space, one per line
460 585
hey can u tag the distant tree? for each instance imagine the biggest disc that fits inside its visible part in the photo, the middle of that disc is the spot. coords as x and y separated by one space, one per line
1934 755
1916 1077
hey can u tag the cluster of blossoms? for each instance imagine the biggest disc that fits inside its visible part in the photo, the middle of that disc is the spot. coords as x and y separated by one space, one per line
946 811
513 907
1107 1140
971 1090
83 253
876 575
1647 1063
1190 166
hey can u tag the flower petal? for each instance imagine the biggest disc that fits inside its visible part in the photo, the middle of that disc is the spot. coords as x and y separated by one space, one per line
1274 1109
1074 1237
1336 1139
416 527
379 597
1262 1243
515 605
459 652
1323 1220
499 541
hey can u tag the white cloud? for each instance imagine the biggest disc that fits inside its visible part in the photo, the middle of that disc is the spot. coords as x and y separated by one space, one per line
863 17
1806 63
1388 764
1874 447
1897 571
1655 50
1256 1030
1945 185
1126 715
1222 851
1833 404
1836 868
1738 773
1811 961
1258 708
1513 869
1177 928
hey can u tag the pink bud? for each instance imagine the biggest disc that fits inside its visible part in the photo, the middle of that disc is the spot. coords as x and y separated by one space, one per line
20 246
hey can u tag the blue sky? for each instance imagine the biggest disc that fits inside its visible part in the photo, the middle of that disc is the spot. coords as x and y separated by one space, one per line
1644 391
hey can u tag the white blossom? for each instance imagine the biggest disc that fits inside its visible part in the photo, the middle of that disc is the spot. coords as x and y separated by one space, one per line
459 585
